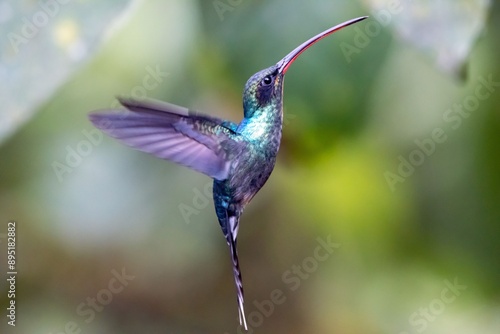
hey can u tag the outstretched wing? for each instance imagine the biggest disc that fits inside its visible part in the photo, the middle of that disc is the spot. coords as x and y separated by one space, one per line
173 133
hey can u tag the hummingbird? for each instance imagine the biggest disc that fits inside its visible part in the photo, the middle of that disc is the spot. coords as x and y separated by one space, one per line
239 157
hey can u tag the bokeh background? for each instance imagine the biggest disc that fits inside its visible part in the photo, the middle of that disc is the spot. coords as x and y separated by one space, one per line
357 106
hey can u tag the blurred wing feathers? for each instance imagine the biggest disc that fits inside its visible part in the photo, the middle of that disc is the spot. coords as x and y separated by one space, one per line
173 133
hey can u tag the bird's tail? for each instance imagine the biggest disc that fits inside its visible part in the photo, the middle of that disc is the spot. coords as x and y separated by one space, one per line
231 240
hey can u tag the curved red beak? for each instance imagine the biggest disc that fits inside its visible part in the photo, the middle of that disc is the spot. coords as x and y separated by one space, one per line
285 63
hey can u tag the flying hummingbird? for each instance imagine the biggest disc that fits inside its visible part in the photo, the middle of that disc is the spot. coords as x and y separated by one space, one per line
239 157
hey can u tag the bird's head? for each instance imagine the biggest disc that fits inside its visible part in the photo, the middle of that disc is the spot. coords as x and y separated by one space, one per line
264 89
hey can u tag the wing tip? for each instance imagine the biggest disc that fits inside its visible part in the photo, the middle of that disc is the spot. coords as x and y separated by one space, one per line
96 119
106 120
127 102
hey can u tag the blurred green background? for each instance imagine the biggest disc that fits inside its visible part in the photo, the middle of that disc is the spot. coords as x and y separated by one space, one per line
390 150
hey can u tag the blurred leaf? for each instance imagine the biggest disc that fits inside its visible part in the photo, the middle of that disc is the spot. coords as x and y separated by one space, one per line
45 43
443 30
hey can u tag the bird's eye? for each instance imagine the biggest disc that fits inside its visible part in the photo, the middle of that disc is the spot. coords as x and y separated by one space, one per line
267 80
